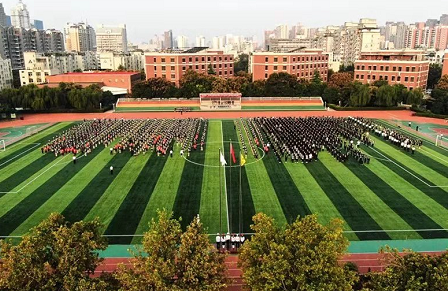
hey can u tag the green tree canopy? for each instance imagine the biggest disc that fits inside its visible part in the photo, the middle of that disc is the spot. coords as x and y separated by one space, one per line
411 272
154 88
175 260
281 85
360 94
386 96
302 256
242 63
434 75
55 255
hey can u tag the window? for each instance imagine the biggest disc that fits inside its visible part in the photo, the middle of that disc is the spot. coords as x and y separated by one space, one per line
407 69
265 68
190 67
363 68
173 76
413 69
203 59
386 77
374 68
196 59
406 79
362 77
208 59
220 66
173 68
214 59
172 60
164 76
412 79
203 67
370 68
265 76
394 69
284 68
285 60
197 67
399 69
368 77
220 59
225 65
374 77
225 59
393 78
293 67
155 60
163 68
398 79
293 59
275 68
183 68
387 68
155 75
163 60
155 68
266 59
357 76
381 68
183 60
275 60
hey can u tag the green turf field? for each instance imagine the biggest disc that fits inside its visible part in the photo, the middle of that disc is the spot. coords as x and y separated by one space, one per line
397 196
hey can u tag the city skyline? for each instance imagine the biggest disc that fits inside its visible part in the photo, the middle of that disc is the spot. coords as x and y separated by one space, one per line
142 24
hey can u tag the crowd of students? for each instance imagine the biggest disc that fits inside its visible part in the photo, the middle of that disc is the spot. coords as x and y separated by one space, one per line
136 136
227 242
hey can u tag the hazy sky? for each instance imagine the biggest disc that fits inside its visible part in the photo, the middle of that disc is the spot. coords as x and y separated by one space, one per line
144 18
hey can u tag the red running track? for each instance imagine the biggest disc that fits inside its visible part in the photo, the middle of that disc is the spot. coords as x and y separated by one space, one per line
365 263
59 117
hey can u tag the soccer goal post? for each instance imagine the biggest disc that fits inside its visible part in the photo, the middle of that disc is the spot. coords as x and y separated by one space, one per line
2 145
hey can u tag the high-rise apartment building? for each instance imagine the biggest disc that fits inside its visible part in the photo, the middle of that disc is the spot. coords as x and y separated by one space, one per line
281 31
111 39
79 37
200 41
182 42
38 24
3 18
5 74
168 42
20 17
444 19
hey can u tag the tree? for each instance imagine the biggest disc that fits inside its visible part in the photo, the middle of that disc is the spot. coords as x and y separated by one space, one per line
329 74
359 95
154 88
255 89
303 256
386 96
281 85
401 92
439 104
434 75
193 83
55 255
175 260
411 272
347 69
220 85
121 68
342 83
210 70
242 63
443 83
415 97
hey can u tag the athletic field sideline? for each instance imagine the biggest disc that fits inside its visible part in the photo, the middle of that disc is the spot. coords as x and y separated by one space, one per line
398 196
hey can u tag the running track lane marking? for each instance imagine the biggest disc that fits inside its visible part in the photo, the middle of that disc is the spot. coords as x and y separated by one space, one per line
15 157
225 181
16 192
430 186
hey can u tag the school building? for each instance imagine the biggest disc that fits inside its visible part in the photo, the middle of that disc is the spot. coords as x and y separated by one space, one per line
302 64
407 67
172 66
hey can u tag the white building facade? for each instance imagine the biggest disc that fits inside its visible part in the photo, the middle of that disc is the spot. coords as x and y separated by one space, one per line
5 74
112 39
20 17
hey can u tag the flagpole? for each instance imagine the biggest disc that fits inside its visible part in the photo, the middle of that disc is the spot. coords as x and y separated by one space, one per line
220 194
230 189
240 208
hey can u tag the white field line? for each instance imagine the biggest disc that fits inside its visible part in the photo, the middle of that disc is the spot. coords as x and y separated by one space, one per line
431 186
27 184
225 181
22 153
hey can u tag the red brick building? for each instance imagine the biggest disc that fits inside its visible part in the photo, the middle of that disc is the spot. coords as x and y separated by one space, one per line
445 65
396 67
302 64
123 80
173 66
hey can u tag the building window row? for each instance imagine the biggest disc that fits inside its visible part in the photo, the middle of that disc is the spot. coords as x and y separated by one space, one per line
299 59
386 68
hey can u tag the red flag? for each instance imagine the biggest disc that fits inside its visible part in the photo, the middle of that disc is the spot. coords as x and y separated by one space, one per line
232 153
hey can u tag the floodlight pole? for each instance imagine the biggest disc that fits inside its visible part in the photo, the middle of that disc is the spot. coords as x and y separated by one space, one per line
220 194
